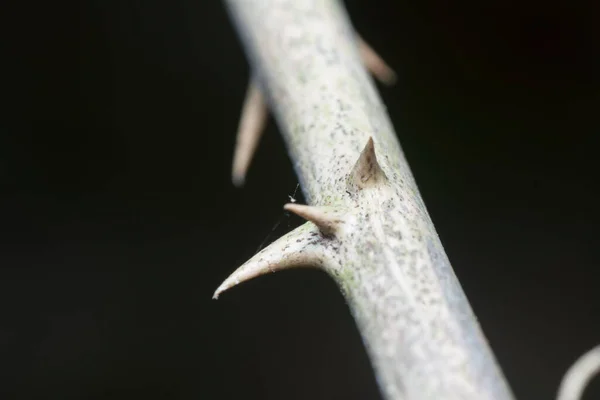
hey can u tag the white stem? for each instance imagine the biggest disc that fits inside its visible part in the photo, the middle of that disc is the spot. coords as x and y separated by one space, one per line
382 249
579 375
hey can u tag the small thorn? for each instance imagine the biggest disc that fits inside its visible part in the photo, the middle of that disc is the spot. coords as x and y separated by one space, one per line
294 249
327 219
367 171
250 129
375 63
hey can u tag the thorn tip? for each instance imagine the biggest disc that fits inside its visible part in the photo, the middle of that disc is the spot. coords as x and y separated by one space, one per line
367 171
238 180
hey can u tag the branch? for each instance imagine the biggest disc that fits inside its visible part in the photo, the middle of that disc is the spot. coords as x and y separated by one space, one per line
579 375
368 227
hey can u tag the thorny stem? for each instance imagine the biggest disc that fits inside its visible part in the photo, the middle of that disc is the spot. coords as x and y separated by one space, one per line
418 328
367 225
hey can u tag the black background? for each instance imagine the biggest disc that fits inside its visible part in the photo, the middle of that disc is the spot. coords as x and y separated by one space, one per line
118 219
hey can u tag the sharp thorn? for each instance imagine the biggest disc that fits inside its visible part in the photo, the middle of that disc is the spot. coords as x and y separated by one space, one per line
375 63
250 129
367 171
327 219
294 249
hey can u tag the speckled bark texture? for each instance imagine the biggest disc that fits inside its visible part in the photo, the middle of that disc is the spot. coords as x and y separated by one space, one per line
368 226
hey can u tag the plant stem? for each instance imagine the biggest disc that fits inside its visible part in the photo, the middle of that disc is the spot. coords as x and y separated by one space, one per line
369 228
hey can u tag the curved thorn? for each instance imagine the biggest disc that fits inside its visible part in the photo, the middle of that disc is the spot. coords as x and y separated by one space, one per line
579 375
367 171
327 219
375 63
295 249
251 126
